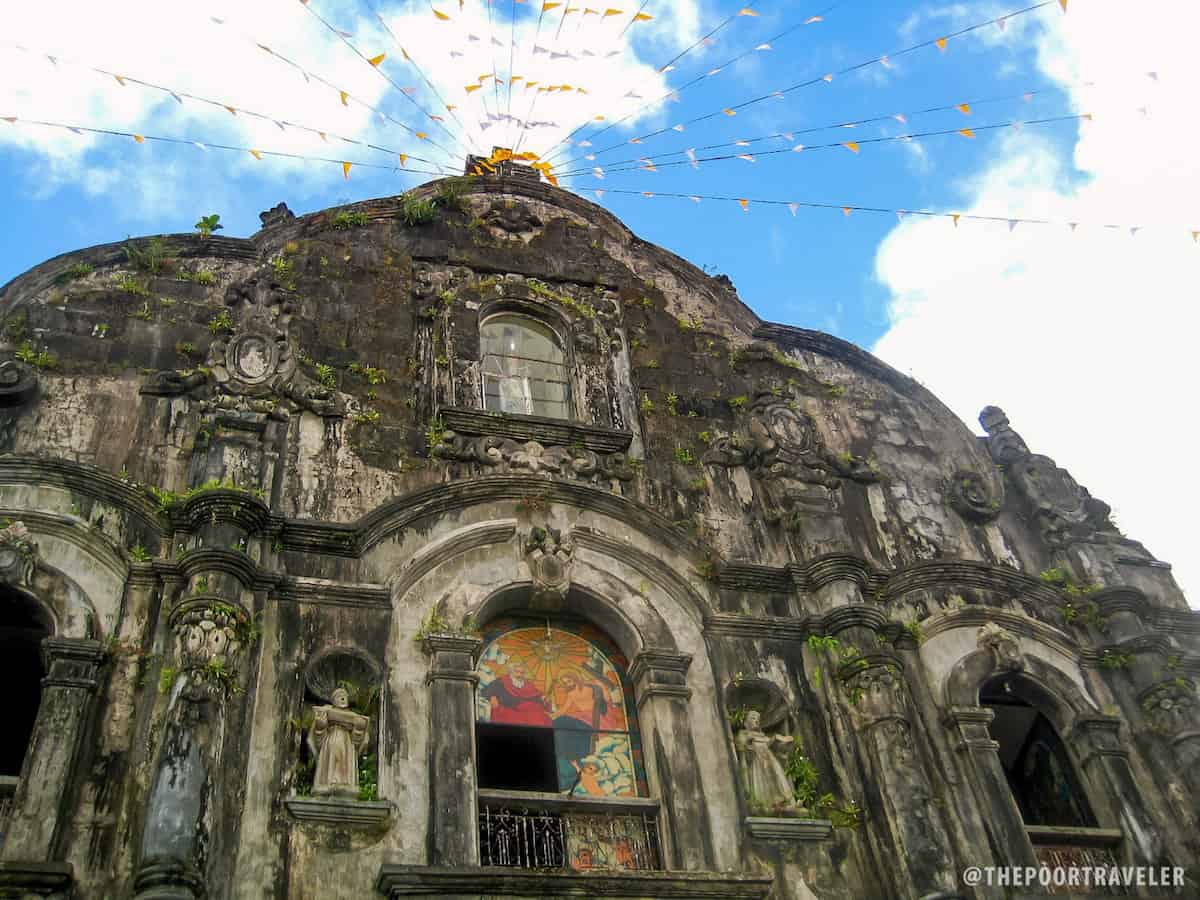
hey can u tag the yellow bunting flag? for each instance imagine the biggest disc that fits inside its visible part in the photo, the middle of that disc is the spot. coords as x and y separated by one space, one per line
828 79
642 17
599 118
649 166
846 211
546 7
120 80
345 98
746 11
611 12
966 132
256 154
745 204
941 44
1063 4
964 108
647 194
729 112
422 135
346 170
956 217
403 158
142 140
852 146
472 87
450 107
232 111
441 15
376 60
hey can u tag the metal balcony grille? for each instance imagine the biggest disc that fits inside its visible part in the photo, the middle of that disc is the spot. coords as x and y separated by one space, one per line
532 838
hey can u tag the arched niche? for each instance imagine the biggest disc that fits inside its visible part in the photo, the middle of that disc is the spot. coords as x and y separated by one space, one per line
24 624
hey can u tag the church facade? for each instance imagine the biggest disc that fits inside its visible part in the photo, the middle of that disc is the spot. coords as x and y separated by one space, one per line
462 544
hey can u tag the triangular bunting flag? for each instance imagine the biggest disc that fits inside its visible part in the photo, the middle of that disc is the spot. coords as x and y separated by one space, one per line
345 98
1012 224
746 156
964 108
813 19
799 148
346 170
376 60
763 47
598 172
441 15
955 217
1063 4
966 132
794 207
729 112
745 204
611 12
695 199
691 155
256 154
828 79
746 11
141 140
852 146
846 211
642 17
403 158
900 117
941 44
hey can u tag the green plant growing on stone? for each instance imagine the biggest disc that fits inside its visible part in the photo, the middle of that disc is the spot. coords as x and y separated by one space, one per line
684 456
370 374
738 402
185 348
1114 659
915 630
435 434
737 715
131 285
345 220
415 211
647 405
326 375
144 313
673 404
368 777
166 679
148 256
222 321
691 323
206 225
579 307
39 359
369 416
282 268
451 194
74 272
652 364
435 622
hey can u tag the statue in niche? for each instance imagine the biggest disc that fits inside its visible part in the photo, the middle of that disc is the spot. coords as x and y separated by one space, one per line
762 773
337 736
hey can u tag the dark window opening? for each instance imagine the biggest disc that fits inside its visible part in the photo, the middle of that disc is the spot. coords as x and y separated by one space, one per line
1039 769
23 626
516 758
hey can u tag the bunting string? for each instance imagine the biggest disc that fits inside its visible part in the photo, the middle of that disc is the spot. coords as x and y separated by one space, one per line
346 97
408 57
712 71
964 107
829 77
847 209
181 95
853 146
666 67
257 153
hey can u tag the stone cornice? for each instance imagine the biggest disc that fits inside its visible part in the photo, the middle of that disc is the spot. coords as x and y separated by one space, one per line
768 627
422 881
332 593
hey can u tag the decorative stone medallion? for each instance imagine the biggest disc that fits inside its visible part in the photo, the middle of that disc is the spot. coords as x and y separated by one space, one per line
253 358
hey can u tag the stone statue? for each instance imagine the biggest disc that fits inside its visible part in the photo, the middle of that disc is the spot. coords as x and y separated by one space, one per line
337 737
766 783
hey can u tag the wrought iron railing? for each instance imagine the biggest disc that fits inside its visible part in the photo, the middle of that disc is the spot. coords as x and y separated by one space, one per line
550 833
1077 848
8 788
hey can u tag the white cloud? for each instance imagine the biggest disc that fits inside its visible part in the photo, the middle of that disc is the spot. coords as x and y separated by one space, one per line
180 47
1086 339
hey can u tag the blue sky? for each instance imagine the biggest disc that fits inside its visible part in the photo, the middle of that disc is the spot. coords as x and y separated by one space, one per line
980 314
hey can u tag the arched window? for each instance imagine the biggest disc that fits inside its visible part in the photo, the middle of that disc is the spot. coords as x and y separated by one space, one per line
524 367
23 625
556 722
1039 768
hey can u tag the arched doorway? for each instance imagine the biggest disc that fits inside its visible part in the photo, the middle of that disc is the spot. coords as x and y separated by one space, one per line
23 626
1041 773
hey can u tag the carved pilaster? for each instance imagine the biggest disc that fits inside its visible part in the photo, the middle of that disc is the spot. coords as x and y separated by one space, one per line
874 687
41 801
660 684
453 778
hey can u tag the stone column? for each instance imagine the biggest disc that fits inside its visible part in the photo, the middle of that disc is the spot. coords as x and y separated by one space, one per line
1105 764
453 782
39 807
660 685
873 686
998 808
186 809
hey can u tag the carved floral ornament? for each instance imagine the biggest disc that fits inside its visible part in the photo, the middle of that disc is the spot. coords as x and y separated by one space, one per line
1171 706
549 556
973 497
208 634
1003 644
782 441
506 454
18 554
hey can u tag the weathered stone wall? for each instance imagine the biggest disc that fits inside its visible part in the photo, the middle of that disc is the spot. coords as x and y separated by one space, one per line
237 460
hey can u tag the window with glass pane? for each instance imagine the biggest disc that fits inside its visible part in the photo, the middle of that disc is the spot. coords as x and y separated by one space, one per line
524 368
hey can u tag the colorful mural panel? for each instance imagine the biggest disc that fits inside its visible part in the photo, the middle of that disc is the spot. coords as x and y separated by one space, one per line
546 677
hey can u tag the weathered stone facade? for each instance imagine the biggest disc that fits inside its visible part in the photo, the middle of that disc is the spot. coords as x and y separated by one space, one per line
238 474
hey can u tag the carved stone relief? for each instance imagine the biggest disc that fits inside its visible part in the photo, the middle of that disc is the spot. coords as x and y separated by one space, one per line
18 554
1171 706
1003 645
549 556
972 496
1065 511
506 454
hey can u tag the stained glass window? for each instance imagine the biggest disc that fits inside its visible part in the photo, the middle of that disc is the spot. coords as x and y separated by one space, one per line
524 368
554 712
